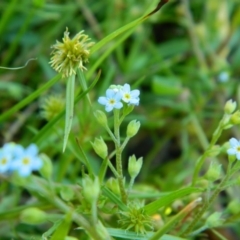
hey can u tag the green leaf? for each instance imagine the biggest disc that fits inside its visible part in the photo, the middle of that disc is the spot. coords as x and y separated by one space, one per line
29 99
114 198
69 109
121 233
153 207
63 229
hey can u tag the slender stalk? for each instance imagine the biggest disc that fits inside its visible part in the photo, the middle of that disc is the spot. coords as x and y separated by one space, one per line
119 156
207 204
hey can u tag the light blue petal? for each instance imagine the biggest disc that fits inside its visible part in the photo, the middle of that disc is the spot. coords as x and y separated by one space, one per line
102 100
234 142
109 108
32 150
18 151
231 151
36 163
238 155
135 93
118 105
126 87
110 93
118 96
24 171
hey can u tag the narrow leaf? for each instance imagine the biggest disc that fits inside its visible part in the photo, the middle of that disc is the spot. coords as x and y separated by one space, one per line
153 207
69 109
114 198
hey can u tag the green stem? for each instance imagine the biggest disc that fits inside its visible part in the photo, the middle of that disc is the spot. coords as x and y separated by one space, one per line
131 184
207 204
119 156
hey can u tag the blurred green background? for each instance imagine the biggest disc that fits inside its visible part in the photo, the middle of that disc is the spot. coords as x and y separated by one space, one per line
184 59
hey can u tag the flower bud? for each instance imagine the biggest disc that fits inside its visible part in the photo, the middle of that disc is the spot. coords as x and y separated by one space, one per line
67 193
230 106
214 220
47 168
234 207
214 172
235 118
101 117
33 216
134 166
113 185
133 128
100 147
91 189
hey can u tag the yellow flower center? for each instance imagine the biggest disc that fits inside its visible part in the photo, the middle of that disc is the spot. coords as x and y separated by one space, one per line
26 161
3 161
127 96
111 101
238 148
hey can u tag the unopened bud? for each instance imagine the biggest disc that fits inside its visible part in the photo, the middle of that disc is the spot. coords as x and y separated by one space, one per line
234 207
33 216
113 185
46 169
101 117
67 193
214 172
230 106
235 118
214 220
91 189
133 128
134 166
100 147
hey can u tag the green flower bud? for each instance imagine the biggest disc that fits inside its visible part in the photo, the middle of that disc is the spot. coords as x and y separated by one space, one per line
235 118
133 128
234 207
101 117
100 147
33 216
134 166
113 185
230 106
214 220
67 193
214 172
91 189
47 168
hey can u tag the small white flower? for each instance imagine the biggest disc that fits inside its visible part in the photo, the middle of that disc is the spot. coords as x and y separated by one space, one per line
112 100
26 160
130 97
235 148
5 161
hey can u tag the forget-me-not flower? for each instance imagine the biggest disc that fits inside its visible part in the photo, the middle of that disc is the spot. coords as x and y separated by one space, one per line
112 100
235 148
130 97
26 160
7 153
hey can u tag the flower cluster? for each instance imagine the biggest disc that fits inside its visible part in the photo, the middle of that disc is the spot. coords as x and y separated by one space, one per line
71 54
14 157
116 94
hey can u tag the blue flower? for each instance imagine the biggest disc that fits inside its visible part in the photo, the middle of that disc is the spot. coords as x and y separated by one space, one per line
128 96
112 100
5 161
235 148
26 160
6 157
